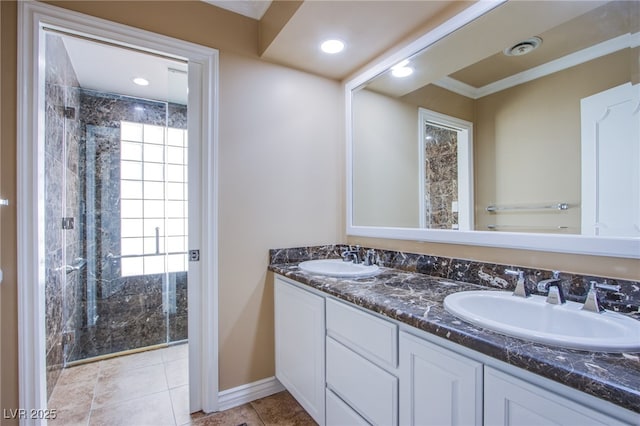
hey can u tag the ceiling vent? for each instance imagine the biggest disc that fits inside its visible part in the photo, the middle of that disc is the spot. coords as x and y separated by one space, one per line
523 47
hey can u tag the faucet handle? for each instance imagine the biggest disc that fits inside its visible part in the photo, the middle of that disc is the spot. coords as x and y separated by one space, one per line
591 303
521 289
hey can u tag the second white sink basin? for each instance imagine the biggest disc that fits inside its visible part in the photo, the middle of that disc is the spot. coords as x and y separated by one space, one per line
338 268
536 320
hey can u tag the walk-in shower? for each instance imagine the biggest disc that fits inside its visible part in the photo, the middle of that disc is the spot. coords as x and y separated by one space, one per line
115 185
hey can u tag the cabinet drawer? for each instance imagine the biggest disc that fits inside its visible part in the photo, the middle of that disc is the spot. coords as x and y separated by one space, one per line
367 388
370 336
340 414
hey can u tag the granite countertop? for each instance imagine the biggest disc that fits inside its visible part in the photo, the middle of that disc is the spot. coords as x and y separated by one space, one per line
416 299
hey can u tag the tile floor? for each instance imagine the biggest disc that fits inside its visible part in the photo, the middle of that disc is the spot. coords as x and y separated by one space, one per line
151 388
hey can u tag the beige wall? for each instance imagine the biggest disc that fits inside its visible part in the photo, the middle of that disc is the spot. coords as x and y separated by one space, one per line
527 143
385 167
281 185
281 174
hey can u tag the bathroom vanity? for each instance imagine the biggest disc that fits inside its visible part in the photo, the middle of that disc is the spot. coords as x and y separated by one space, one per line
382 350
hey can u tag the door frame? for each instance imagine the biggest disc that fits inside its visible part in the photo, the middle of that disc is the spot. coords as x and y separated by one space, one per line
203 196
464 130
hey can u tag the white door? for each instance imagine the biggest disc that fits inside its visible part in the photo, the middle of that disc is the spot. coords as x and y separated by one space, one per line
611 162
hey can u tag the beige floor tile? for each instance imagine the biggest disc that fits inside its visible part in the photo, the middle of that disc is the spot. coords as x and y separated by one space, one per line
120 365
150 410
177 372
176 352
70 417
75 396
80 373
232 417
134 384
180 404
282 409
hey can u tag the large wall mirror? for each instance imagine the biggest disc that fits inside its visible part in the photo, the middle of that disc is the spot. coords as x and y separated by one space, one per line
514 125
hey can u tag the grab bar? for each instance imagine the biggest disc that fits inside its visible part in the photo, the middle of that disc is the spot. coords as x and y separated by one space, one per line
492 227
559 206
111 256
78 264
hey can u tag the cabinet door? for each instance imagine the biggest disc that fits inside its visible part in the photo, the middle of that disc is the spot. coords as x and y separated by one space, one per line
512 401
299 330
437 386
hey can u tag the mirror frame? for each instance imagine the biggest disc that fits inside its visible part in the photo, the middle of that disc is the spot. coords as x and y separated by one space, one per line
573 243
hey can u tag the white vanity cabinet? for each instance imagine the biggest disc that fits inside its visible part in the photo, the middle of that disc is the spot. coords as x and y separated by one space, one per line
438 386
383 372
362 358
510 401
300 346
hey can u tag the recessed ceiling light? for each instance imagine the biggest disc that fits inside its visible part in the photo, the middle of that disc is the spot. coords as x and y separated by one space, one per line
141 81
332 46
401 69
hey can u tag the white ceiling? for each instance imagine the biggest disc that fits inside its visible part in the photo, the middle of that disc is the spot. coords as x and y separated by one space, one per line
112 69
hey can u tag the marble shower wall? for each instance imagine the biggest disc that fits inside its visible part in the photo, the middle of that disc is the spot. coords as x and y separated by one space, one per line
123 313
441 177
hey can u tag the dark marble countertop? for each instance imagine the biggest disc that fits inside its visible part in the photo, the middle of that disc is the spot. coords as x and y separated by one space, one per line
417 300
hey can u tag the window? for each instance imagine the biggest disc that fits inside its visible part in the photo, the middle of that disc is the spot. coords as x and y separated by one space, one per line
153 193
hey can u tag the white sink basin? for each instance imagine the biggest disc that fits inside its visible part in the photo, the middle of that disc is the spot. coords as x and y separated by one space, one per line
536 320
338 268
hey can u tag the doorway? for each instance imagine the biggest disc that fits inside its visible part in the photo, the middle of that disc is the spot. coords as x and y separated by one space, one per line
110 184
445 171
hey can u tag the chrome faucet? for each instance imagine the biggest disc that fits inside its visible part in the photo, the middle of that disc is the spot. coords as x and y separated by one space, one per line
553 286
351 255
521 289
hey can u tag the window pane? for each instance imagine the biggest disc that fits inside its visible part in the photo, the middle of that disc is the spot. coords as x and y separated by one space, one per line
175 191
175 137
176 263
131 189
153 209
153 172
131 246
150 226
153 265
130 170
131 131
175 155
175 244
150 246
175 173
154 190
153 153
132 266
176 226
175 209
130 228
131 208
153 134
131 151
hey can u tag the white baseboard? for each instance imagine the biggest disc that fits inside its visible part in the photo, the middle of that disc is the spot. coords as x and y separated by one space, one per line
246 393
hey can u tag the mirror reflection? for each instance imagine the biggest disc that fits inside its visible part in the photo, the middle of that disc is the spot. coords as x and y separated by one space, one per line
533 128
